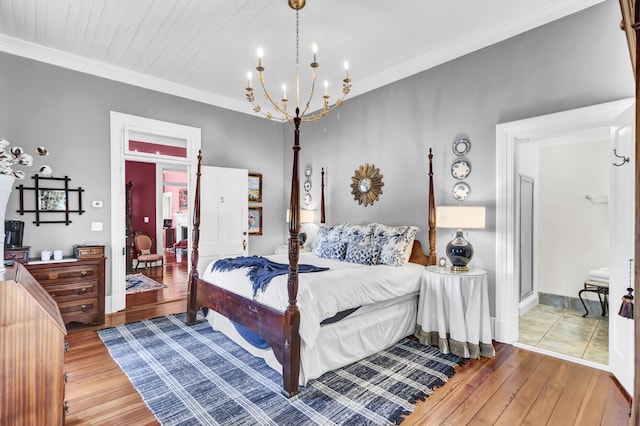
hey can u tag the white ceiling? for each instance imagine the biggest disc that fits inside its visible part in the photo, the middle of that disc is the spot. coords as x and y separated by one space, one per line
202 49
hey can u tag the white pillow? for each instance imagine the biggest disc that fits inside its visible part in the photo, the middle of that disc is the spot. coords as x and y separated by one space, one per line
395 243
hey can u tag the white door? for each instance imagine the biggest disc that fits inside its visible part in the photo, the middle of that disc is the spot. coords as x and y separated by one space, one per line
223 214
621 251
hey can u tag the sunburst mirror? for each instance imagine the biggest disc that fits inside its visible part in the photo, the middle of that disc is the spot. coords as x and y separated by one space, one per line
366 184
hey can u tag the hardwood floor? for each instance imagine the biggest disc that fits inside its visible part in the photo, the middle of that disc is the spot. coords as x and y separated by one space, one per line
515 387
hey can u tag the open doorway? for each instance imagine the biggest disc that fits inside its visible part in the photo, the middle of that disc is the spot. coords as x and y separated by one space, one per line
617 118
157 212
160 145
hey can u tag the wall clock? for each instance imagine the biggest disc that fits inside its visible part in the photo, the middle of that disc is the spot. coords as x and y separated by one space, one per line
461 191
460 169
307 185
366 184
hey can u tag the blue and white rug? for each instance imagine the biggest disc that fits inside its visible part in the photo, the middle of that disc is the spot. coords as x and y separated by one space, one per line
192 375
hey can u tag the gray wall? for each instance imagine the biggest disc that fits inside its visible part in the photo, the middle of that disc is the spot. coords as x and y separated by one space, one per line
68 112
577 61
574 62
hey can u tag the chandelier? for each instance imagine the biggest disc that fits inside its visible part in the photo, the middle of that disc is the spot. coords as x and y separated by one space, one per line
280 107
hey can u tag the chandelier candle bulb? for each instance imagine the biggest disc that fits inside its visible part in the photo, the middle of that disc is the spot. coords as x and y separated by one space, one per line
314 48
249 78
326 88
346 70
284 93
260 55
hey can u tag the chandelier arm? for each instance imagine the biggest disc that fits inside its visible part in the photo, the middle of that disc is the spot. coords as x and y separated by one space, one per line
276 105
326 111
311 92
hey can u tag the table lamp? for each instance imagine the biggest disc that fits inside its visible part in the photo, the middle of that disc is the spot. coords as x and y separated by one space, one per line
459 250
306 216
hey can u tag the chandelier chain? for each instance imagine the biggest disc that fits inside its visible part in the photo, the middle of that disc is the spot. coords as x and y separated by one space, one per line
297 38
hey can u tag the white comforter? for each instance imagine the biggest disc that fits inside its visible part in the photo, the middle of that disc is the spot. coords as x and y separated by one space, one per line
323 294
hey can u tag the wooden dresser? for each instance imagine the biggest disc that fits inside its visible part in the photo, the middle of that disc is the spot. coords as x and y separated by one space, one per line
77 286
32 346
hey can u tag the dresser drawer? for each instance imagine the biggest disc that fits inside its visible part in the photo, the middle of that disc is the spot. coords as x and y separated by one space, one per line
82 310
66 273
73 291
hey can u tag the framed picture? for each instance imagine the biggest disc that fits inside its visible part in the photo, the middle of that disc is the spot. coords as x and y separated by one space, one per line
183 199
255 187
255 220
52 200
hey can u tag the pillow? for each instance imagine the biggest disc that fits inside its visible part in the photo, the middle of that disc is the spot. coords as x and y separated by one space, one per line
358 234
327 234
333 250
395 243
365 255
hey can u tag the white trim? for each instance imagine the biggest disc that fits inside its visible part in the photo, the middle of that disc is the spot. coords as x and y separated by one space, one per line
507 137
563 356
119 123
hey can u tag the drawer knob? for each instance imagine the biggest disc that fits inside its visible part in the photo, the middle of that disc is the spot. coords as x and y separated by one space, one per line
66 407
83 290
84 273
84 308
66 377
66 346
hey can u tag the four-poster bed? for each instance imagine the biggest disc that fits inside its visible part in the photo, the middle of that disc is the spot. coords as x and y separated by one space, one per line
279 323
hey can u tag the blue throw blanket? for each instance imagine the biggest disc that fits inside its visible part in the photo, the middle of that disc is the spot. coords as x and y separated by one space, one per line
261 270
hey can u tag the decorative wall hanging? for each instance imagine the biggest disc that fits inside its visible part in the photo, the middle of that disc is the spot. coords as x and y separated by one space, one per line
51 195
255 187
461 168
255 220
461 191
366 184
461 147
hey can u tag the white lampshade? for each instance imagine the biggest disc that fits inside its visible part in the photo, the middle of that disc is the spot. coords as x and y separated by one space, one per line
467 217
306 216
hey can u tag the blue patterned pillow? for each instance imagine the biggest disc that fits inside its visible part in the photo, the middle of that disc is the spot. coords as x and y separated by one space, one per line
365 255
358 234
327 234
333 250
395 243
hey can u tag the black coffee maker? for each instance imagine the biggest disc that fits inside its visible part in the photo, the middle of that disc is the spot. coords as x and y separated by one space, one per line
13 230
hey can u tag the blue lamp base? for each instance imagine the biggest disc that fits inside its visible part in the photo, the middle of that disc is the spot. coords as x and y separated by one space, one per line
459 252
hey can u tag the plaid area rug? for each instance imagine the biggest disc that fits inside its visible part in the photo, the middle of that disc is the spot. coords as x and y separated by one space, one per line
138 283
197 376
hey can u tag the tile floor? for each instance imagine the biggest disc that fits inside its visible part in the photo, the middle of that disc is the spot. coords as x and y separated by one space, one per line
565 331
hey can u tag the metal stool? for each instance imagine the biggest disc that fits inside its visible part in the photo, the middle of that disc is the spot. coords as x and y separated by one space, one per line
601 289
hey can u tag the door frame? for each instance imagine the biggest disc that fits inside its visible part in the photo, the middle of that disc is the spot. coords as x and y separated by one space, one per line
120 125
507 137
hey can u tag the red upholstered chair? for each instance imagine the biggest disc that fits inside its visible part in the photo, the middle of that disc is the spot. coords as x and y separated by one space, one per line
144 245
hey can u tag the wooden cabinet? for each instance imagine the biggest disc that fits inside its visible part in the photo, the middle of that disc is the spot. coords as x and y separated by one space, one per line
32 346
77 286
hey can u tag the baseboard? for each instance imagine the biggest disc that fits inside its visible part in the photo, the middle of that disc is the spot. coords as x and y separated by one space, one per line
568 302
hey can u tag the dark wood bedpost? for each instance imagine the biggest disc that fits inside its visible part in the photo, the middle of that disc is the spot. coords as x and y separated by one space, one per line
432 214
291 374
193 295
322 212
